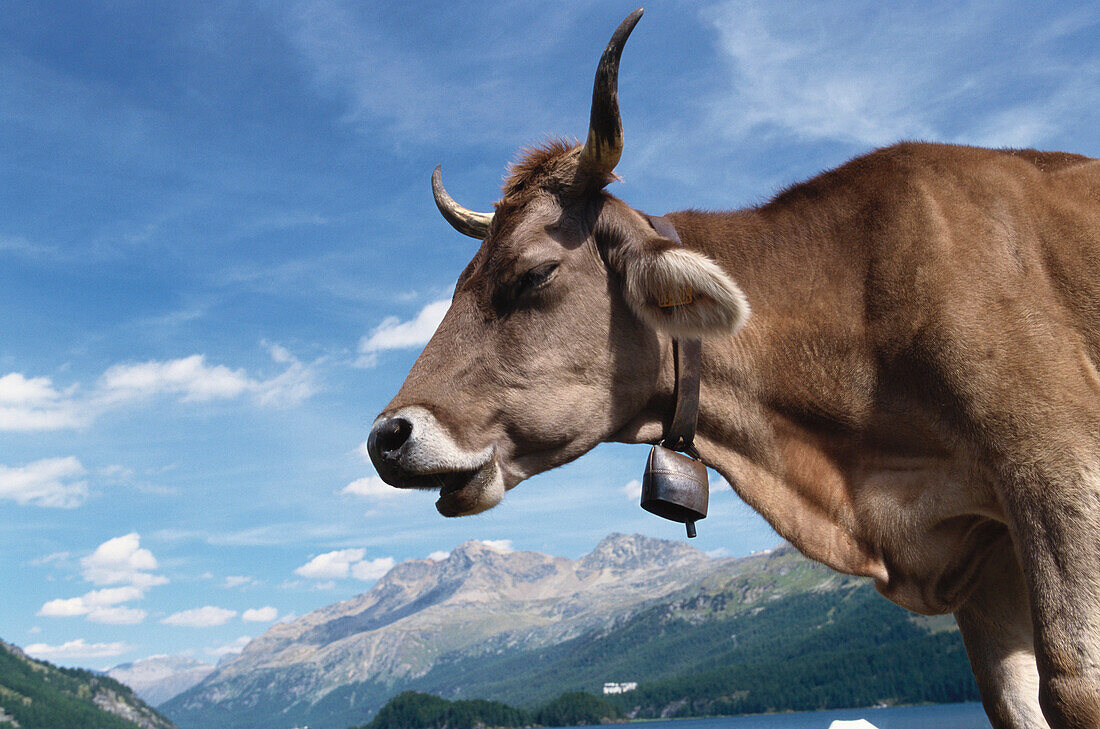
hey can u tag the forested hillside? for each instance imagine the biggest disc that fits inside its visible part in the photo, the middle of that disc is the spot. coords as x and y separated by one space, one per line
413 710
37 695
812 650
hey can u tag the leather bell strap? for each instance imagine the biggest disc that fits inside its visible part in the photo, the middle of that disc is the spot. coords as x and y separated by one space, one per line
688 356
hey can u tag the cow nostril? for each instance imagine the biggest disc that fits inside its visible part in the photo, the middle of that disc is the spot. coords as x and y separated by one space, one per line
392 434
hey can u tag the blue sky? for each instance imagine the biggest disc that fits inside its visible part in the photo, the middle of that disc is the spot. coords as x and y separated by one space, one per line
219 256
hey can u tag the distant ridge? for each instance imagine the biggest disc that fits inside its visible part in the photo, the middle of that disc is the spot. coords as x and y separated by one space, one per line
159 678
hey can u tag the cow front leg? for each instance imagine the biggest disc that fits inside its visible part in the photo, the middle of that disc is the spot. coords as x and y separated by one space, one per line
995 623
1039 430
1056 526
1026 395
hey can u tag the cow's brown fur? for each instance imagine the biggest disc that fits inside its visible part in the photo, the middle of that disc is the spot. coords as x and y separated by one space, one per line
915 397
551 167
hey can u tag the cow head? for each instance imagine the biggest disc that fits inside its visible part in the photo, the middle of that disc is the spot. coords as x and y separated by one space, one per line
558 328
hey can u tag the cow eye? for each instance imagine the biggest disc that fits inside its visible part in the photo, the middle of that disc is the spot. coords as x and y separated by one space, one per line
535 278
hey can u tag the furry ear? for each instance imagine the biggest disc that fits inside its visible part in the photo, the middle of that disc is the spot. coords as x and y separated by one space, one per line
679 291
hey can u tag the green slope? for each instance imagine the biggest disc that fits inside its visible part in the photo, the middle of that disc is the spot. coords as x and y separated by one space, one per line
810 652
37 695
847 647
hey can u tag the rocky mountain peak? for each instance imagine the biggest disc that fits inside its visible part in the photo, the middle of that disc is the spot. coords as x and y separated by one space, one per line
490 564
477 550
629 552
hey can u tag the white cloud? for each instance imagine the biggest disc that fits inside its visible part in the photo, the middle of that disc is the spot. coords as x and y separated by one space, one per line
863 75
24 247
633 489
15 389
122 560
51 482
353 54
500 545
24 418
359 64
240 581
113 595
116 472
190 377
371 486
808 84
344 563
64 608
119 615
33 404
280 354
439 556
194 380
204 617
229 649
117 475
260 615
372 569
267 535
94 600
331 565
58 558
393 333
295 384
77 649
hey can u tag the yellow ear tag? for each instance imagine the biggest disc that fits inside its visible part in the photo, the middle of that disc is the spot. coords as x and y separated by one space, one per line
683 297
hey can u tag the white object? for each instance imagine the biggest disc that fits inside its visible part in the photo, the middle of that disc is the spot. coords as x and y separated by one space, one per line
857 724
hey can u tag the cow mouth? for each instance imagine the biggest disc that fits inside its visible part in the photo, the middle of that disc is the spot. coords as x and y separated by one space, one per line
460 492
468 492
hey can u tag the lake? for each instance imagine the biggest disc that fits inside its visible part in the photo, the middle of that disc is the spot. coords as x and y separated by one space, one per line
942 716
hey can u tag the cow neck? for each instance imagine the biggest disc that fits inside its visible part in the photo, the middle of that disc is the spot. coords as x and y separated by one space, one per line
687 354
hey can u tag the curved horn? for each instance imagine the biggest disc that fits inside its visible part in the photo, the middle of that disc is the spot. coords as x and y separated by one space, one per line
467 222
604 145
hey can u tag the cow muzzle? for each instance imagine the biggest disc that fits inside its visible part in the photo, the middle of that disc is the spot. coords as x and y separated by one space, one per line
411 449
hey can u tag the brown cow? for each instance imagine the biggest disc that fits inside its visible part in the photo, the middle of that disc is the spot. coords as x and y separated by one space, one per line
915 397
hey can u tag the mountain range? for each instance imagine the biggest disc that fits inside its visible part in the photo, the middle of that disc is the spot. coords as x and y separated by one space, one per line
523 627
478 600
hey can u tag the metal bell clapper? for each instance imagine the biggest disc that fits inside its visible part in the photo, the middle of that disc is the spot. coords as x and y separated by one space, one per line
675 487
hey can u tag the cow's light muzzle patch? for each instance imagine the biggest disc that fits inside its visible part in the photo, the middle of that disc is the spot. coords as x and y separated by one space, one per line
428 457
